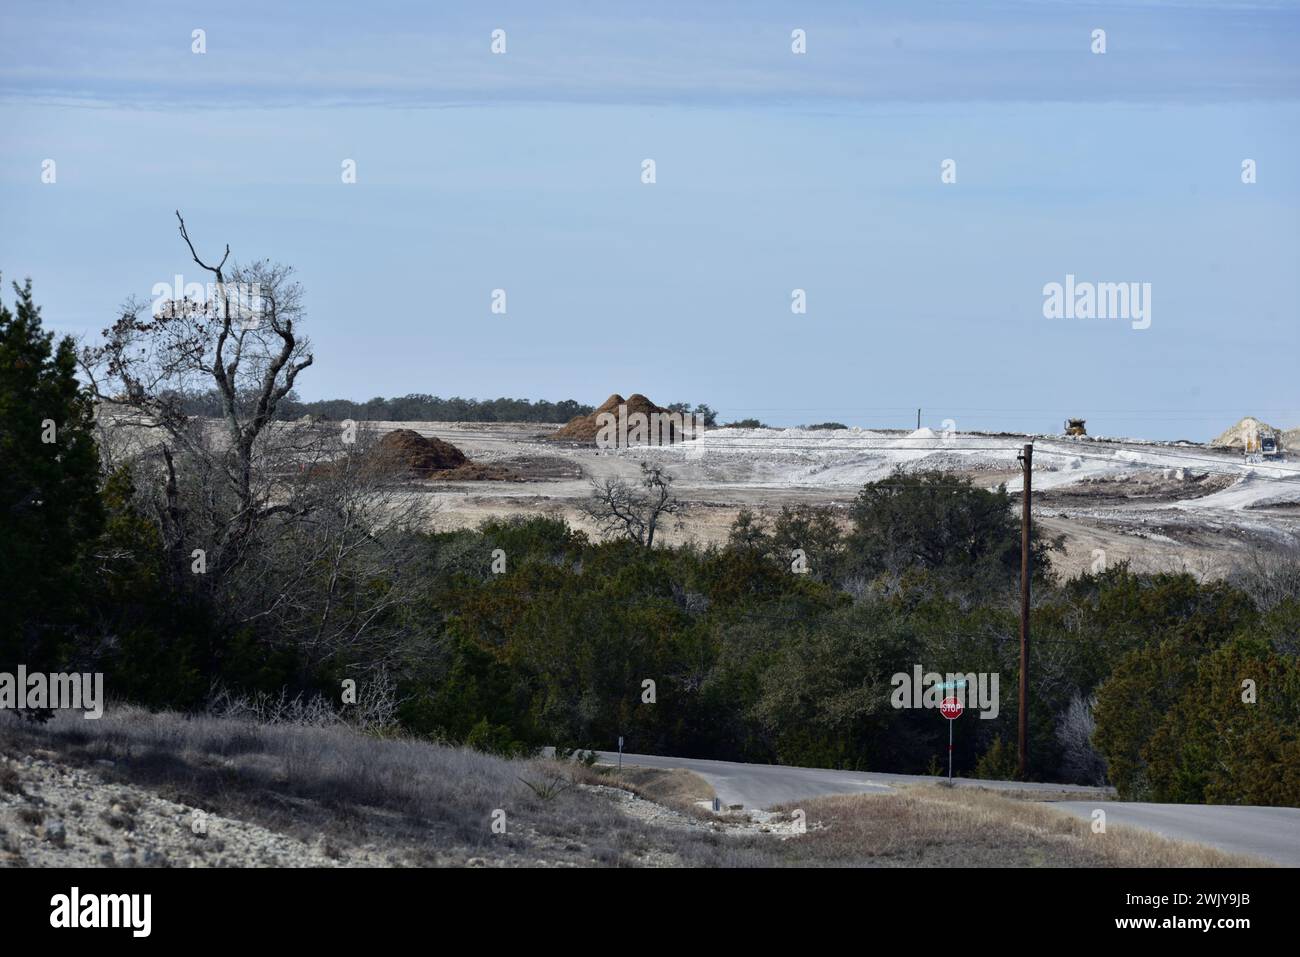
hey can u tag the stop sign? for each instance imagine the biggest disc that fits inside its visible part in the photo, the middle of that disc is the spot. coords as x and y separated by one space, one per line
950 708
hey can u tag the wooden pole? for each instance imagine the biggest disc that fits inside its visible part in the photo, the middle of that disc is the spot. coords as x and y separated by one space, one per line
1027 457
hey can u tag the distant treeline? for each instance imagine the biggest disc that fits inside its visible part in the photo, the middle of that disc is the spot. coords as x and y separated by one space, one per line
408 408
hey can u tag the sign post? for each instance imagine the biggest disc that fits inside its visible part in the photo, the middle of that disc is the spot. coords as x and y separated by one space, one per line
951 708
620 754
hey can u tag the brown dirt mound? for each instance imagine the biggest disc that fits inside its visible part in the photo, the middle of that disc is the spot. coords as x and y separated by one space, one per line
405 453
408 449
584 428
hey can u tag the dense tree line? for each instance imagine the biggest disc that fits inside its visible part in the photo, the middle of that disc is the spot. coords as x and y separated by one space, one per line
416 407
778 645
755 663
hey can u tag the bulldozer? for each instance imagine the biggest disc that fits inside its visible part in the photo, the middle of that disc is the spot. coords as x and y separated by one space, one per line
1075 427
1262 442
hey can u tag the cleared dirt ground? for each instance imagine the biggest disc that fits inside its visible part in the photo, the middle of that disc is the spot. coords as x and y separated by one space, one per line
1159 506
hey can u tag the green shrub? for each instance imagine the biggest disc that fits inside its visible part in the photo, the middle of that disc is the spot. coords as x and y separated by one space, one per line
998 763
495 739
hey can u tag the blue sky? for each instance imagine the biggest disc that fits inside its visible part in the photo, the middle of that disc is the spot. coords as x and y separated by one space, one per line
774 172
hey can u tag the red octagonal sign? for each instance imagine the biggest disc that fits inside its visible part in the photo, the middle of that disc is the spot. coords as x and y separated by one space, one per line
950 708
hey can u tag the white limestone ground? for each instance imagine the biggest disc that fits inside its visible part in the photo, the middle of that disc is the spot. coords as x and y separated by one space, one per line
1213 510
1256 506
749 821
53 815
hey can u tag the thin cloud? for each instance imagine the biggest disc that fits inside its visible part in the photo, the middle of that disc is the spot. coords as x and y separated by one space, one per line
733 53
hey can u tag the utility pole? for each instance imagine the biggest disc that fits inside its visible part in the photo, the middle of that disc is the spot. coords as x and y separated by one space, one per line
1026 457
918 420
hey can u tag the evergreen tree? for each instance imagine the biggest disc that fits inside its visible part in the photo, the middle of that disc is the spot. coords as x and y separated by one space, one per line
50 511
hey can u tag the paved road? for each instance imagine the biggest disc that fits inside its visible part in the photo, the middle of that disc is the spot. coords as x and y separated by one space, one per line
763 785
1269 832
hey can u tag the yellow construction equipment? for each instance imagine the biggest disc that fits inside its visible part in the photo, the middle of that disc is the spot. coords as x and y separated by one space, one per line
1075 427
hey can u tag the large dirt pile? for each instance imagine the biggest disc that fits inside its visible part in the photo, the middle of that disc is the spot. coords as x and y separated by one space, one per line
1235 437
584 428
409 450
405 450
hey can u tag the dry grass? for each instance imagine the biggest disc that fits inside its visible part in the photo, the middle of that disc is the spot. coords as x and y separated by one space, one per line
421 803
676 788
968 827
1096 795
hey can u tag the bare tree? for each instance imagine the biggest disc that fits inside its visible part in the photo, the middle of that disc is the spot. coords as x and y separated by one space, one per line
327 580
373 712
148 363
1269 577
293 529
1080 761
623 510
